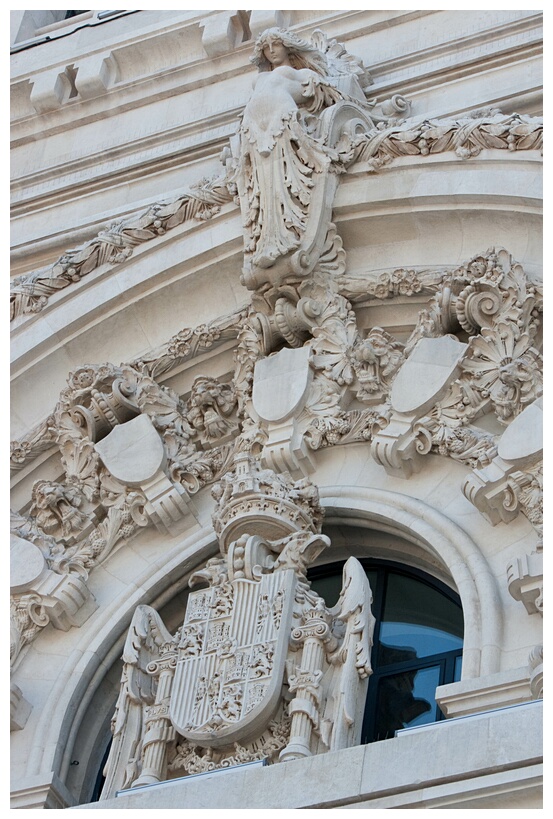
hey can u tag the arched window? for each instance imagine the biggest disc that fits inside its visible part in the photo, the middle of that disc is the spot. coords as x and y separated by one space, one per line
418 641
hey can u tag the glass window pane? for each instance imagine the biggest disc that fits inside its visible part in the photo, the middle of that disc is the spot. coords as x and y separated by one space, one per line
458 668
405 700
418 621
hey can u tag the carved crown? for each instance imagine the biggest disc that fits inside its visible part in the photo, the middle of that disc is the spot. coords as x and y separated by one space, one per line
251 499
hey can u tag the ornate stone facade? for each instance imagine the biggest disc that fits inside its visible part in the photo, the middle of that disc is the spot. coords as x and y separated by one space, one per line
350 330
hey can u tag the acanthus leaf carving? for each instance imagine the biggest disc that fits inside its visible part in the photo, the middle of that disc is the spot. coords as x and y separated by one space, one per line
467 137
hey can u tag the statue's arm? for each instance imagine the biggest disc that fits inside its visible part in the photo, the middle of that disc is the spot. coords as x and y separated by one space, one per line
319 92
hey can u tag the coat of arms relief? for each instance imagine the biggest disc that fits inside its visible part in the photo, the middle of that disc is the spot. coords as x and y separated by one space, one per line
261 668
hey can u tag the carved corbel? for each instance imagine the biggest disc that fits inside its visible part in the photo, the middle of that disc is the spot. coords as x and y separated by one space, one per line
525 581
51 89
401 445
260 19
95 74
498 490
223 31
134 455
420 383
488 489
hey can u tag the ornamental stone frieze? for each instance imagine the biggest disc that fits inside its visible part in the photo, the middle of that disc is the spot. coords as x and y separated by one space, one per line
347 389
261 668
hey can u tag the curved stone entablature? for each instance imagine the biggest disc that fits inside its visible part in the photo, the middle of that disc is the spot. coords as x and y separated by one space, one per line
467 137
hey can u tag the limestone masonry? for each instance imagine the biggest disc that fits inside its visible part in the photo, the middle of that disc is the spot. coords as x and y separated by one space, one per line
276 310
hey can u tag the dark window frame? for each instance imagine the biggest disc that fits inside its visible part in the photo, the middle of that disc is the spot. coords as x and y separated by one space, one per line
445 660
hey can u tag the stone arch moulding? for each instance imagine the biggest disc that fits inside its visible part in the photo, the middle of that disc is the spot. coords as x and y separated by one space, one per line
419 522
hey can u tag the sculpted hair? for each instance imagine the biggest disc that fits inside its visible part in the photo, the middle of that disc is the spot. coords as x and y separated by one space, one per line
301 53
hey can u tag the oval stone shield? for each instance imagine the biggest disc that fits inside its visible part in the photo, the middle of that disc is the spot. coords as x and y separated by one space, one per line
281 383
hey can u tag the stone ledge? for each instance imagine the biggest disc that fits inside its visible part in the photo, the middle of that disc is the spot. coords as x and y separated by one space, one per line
499 690
42 792
485 757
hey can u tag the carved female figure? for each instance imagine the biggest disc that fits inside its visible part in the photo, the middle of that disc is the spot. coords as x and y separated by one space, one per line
280 147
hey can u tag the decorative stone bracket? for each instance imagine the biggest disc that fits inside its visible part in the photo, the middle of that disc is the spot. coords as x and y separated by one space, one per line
400 446
525 581
61 599
488 490
495 489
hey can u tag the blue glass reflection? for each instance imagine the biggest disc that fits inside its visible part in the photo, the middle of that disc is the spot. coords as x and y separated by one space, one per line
420 641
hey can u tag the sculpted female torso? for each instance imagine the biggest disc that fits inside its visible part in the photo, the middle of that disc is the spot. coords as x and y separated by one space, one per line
278 155
277 94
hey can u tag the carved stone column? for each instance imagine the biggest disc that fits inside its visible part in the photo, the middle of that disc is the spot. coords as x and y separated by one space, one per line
304 708
159 730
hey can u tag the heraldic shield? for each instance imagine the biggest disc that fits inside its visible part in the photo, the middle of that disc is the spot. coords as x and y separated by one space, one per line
231 658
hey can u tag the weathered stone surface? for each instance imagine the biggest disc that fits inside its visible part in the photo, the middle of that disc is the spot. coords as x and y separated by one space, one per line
427 374
133 451
522 441
27 564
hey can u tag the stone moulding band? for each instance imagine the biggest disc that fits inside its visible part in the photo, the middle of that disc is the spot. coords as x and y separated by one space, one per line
466 137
